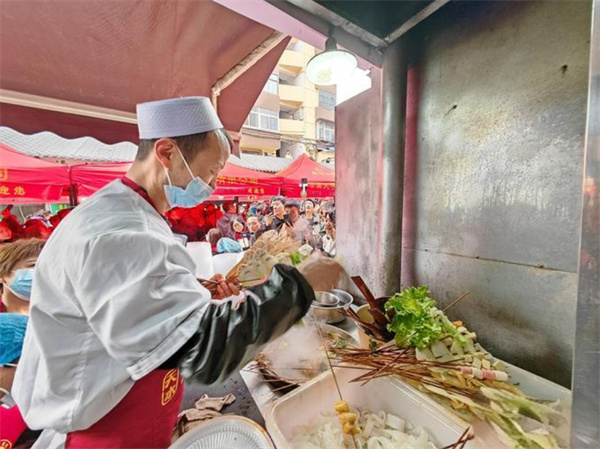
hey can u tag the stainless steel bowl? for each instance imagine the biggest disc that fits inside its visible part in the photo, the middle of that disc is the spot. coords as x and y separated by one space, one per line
325 299
329 314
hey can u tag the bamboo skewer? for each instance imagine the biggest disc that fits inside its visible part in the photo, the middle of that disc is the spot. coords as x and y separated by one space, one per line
462 441
464 295
400 362
337 385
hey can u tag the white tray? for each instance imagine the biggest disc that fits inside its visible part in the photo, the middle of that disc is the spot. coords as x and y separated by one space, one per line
301 406
225 432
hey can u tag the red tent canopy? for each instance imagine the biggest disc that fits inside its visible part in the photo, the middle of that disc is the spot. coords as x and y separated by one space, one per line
233 181
243 182
25 179
321 180
92 177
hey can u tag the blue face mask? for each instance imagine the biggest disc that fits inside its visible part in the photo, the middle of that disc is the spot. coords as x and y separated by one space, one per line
21 284
195 193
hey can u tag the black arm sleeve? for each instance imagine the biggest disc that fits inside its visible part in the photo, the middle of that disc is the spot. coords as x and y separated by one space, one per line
227 339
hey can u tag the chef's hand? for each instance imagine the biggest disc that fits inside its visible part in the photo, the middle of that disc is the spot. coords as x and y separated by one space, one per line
225 289
322 273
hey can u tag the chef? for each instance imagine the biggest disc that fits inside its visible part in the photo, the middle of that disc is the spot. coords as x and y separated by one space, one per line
117 317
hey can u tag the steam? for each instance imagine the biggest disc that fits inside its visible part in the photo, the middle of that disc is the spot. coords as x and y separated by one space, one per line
298 355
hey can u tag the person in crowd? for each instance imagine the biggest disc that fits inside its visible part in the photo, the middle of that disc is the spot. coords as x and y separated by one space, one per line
213 236
255 228
17 261
226 245
238 228
118 318
225 222
278 218
300 227
329 237
324 209
241 235
12 336
311 216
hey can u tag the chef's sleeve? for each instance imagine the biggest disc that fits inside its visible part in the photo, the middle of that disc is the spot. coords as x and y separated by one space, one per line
140 296
229 337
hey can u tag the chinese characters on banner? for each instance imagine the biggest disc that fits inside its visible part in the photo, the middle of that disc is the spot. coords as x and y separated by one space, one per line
15 191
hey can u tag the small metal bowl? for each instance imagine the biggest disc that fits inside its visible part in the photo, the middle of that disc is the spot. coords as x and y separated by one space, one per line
325 299
331 314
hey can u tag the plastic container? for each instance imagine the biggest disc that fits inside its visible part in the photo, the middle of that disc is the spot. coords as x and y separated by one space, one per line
201 253
223 263
300 407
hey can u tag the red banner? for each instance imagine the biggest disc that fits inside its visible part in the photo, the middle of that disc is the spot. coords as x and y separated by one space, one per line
20 193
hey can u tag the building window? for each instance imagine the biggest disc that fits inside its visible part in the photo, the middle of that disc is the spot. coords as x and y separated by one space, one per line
272 85
326 100
298 114
325 131
265 119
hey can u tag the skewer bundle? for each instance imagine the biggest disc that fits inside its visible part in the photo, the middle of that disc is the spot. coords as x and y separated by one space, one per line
401 362
270 249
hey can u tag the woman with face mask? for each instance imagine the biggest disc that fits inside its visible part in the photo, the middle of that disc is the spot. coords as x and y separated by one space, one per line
17 262
115 283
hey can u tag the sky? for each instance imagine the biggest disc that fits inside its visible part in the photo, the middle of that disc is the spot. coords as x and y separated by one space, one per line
357 83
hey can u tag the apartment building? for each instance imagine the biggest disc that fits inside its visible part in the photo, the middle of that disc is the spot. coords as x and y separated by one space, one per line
292 116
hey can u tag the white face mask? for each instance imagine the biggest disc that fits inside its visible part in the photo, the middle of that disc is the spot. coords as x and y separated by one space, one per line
195 193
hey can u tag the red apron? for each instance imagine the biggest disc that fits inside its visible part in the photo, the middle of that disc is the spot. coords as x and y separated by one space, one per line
144 419
11 426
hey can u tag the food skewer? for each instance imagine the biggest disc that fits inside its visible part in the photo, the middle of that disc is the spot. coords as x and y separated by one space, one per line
462 441
337 385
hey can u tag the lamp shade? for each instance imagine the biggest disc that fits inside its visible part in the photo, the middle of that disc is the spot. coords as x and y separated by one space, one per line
331 66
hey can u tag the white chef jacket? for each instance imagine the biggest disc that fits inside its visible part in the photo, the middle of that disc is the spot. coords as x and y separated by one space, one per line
114 296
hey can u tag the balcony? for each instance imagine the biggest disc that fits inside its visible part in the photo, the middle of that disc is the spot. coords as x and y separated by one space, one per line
293 61
291 127
291 95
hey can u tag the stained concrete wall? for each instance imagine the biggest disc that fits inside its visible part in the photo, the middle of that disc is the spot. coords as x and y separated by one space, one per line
494 172
358 171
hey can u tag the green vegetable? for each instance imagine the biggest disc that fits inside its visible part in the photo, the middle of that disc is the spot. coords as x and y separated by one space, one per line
296 257
450 328
413 321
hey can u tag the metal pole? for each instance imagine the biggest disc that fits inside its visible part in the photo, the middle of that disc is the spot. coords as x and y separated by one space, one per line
394 82
585 421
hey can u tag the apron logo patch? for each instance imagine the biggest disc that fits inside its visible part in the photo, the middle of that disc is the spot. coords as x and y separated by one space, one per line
5 444
170 384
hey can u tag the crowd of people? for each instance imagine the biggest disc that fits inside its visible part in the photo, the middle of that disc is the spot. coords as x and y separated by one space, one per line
310 222
236 226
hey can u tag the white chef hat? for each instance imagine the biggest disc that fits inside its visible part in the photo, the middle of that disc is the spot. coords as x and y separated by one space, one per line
176 117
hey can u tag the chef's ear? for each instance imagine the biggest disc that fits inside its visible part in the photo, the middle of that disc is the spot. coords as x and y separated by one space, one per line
164 150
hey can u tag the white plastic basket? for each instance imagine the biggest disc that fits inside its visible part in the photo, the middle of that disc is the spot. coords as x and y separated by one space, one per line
300 407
